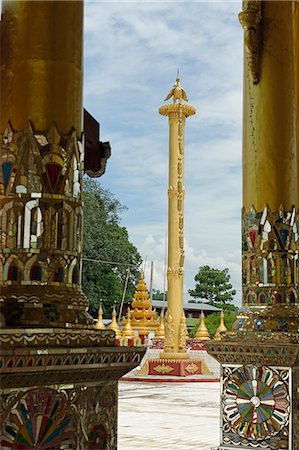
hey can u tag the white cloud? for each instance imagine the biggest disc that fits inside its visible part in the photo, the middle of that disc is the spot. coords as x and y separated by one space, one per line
132 52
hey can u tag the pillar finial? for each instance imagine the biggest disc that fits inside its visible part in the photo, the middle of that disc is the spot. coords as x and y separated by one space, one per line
177 92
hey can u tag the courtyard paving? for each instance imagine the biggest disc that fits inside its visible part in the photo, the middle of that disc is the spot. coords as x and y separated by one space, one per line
180 416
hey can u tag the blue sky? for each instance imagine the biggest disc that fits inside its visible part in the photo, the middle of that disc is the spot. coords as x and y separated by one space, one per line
132 51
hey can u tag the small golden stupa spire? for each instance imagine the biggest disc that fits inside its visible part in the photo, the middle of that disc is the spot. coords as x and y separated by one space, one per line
100 324
202 331
159 332
221 327
128 330
114 325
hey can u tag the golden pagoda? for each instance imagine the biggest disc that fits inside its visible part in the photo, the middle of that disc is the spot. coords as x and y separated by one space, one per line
114 325
202 332
221 329
143 318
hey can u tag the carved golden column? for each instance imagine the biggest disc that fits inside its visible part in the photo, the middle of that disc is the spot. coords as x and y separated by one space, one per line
177 113
41 163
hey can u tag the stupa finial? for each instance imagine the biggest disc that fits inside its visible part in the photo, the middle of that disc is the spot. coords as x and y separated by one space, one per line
128 330
202 331
222 328
100 324
159 332
114 325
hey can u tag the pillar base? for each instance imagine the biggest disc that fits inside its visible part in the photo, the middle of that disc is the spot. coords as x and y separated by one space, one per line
59 387
259 390
175 367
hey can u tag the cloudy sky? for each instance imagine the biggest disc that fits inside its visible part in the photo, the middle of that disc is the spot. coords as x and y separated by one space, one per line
132 53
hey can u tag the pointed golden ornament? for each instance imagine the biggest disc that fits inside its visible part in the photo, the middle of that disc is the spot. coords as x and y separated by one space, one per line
100 324
159 332
221 328
114 325
202 331
128 330
183 333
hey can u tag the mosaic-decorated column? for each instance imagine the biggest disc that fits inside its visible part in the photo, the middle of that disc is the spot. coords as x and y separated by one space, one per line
58 374
270 197
259 359
41 164
175 335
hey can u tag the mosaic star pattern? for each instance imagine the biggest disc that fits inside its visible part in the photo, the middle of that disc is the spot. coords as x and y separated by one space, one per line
256 402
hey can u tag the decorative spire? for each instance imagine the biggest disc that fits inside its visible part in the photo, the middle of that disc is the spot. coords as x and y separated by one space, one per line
221 328
183 332
177 92
159 333
202 331
100 324
143 318
128 330
114 325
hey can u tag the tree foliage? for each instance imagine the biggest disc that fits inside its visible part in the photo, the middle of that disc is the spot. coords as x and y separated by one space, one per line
214 286
106 240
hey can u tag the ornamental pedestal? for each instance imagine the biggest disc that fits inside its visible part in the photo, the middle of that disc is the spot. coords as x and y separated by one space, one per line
260 357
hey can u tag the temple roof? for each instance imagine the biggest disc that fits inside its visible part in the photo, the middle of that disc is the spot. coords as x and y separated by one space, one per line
199 306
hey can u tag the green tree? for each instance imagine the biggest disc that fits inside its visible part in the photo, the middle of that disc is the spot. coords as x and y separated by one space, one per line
106 240
214 286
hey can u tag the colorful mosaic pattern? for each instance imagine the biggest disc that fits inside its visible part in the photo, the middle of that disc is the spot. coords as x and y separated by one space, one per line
270 247
256 404
60 419
41 227
40 419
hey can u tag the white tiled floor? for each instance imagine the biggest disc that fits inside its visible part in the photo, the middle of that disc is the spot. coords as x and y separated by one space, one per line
180 416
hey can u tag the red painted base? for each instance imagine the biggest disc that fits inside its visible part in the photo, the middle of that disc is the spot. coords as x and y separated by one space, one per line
175 367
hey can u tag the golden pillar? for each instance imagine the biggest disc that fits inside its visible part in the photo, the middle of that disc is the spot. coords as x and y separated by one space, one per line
174 327
259 359
270 155
41 79
42 163
55 367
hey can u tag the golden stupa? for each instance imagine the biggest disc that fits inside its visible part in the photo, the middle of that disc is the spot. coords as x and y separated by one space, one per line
100 324
221 328
128 331
114 325
159 332
143 318
202 332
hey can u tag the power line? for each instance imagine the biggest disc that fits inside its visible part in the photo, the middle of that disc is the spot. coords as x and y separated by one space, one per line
110 262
